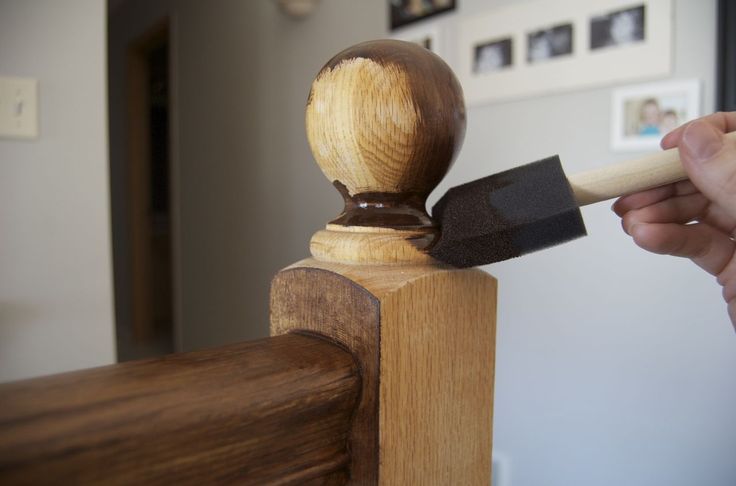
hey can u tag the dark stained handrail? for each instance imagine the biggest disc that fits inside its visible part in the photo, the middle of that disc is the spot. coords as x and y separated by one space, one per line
273 411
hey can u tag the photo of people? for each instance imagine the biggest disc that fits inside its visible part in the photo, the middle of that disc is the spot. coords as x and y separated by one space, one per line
405 12
654 116
492 56
643 114
617 28
548 43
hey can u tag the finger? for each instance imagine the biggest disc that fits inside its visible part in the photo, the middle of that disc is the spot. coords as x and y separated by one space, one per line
717 217
732 313
682 209
645 198
710 162
679 210
725 122
707 247
727 279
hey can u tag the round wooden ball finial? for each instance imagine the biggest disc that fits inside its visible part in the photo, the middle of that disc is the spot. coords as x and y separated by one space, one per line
384 120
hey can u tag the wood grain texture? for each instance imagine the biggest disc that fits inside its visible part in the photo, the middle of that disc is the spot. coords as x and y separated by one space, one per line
433 329
384 121
377 246
318 300
437 373
274 411
385 116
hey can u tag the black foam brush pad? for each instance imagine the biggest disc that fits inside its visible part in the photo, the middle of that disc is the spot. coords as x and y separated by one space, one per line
506 215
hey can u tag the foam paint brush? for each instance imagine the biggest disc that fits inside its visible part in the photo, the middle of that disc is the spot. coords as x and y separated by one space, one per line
536 206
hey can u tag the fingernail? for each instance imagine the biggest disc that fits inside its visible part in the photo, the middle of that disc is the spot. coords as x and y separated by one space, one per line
701 141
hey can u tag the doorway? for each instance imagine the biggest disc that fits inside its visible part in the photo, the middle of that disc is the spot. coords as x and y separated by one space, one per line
149 329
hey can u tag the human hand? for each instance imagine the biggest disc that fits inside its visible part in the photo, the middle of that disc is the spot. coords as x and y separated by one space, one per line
696 218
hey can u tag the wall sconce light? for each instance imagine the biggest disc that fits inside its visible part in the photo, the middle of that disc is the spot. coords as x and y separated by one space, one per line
297 8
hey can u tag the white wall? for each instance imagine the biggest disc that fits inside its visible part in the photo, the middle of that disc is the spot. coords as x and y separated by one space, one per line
55 272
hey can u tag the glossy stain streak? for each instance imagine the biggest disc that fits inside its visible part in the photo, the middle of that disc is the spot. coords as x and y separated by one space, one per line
383 209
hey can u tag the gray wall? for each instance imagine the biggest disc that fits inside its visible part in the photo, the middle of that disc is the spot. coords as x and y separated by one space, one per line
55 269
614 366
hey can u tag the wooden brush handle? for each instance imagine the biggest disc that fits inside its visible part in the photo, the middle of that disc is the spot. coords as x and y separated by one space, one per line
630 176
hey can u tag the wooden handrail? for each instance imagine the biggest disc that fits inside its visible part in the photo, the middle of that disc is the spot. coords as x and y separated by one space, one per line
277 410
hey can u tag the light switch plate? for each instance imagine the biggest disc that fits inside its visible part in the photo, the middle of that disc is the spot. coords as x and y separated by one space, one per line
18 107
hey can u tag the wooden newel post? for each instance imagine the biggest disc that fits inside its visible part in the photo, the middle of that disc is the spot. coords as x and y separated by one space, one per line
384 121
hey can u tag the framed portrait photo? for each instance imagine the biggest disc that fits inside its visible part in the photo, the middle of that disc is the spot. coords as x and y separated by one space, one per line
618 28
549 43
642 114
493 55
405 12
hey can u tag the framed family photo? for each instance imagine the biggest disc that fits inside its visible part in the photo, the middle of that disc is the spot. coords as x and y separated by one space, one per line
405 12
642 114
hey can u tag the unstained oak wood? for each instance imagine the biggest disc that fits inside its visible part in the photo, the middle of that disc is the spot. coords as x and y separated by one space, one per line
424 337
273 411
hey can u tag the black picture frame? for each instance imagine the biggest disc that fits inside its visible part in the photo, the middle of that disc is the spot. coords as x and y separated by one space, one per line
399 16
726 76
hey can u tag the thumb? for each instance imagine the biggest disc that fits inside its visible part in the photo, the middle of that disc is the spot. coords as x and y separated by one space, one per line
709 158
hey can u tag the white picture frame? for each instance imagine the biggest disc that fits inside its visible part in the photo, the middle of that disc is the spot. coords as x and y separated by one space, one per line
592 60
642 114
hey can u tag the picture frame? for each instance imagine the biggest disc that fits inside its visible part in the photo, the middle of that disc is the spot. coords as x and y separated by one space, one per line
406 12
576 45
642 114
726 80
